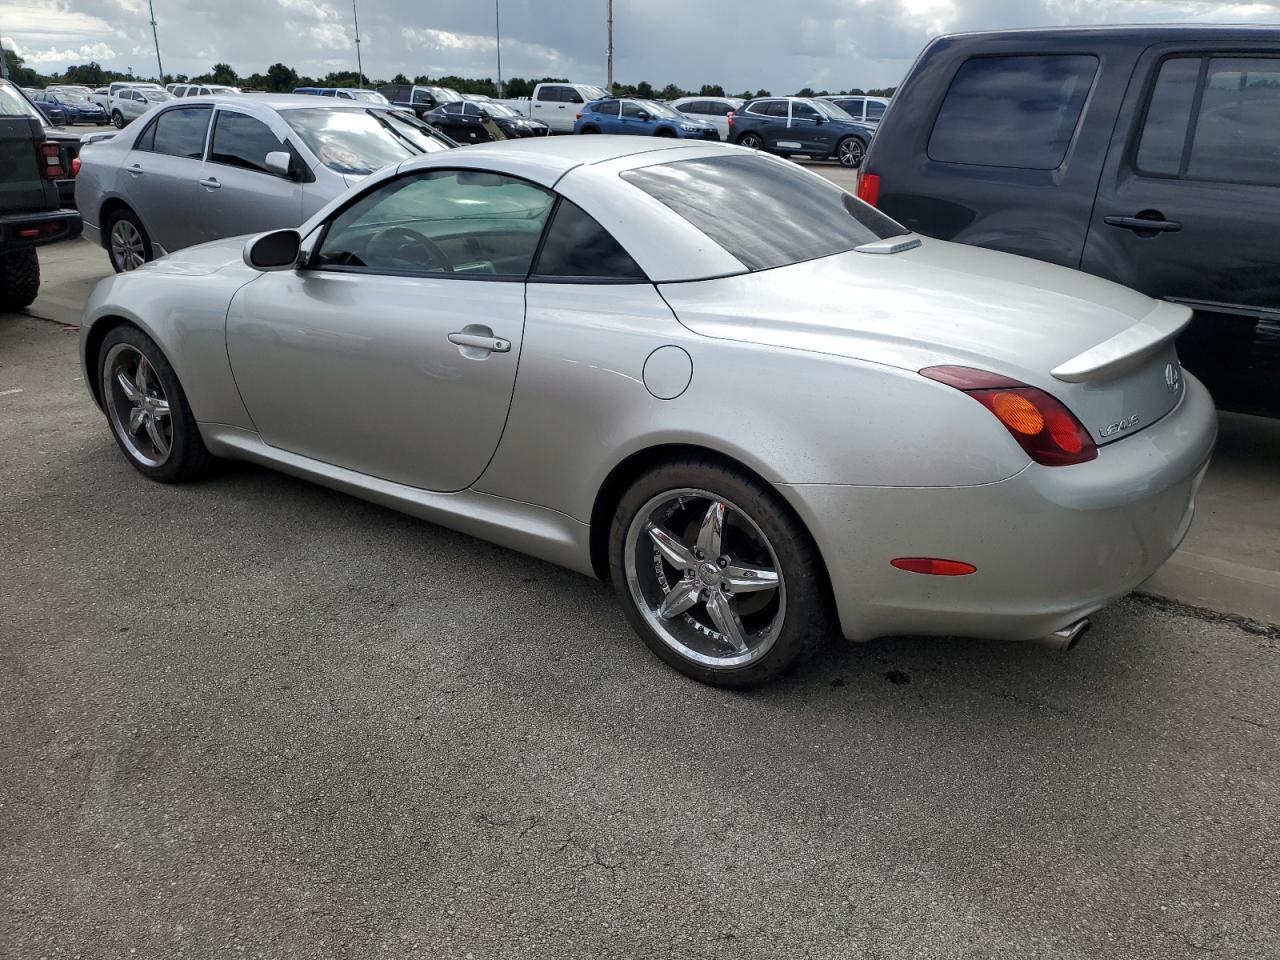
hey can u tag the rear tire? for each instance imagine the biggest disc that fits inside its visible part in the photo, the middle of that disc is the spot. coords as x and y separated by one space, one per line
128 245
737 594
118 119
149 414
752 141
19 278
586 130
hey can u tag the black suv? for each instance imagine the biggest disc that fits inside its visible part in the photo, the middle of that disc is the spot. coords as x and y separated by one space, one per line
1145 155
31 212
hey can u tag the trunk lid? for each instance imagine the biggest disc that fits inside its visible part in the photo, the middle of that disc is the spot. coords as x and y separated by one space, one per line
1105 351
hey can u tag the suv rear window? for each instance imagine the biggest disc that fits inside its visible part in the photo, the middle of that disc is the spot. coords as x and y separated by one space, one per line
766 212
1013 111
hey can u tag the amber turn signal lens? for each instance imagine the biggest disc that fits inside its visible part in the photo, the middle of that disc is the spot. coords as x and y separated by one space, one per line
1017 413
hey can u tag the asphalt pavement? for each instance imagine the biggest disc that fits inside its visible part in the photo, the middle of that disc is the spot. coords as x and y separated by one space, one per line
254 717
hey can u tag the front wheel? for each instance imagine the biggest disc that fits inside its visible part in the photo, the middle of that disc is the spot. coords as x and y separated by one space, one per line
752 141
716 575
148 409
850 152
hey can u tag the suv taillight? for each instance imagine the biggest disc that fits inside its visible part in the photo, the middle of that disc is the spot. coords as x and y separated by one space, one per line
868 190
50 161
729 117
1043 426
578 117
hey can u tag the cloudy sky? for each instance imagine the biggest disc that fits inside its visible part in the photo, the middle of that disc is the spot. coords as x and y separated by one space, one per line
738 43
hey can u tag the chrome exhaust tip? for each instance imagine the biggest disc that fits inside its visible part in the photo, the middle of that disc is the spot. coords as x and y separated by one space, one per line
1066 638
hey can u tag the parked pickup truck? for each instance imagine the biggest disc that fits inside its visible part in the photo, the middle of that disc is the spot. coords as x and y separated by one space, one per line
557 104
31 211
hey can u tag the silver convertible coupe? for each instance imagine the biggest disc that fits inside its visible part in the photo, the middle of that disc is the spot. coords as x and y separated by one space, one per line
760 407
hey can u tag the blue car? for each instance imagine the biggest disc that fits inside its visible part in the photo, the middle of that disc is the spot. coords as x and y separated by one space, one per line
641 118
51 112
76 109
801 126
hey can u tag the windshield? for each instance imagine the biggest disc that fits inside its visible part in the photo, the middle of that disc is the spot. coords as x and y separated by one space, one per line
497 110
793 216
592 92
445 96
368 96
14 104
359 141
830 110
79 93
661 110
155 96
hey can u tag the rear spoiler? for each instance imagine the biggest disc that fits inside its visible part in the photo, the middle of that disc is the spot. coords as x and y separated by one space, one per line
1128 348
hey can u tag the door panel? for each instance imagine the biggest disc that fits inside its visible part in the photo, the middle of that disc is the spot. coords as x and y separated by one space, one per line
235 194
358 370
1192 115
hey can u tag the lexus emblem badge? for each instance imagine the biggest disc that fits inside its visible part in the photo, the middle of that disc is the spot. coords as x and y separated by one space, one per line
1172 377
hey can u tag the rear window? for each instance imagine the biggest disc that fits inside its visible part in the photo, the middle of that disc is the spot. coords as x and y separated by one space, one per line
577 247
1013 111
767 213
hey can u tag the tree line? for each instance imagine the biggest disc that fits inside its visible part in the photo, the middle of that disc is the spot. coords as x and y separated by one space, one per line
281 78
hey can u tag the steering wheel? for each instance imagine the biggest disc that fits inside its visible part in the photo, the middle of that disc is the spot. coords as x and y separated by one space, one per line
408 247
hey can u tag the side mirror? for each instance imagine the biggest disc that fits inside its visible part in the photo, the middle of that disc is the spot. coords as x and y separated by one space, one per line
643 115
819 119
277 250
280 162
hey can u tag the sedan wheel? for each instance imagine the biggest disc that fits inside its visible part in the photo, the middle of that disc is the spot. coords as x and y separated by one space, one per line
128 245
719 581
851 152
147 408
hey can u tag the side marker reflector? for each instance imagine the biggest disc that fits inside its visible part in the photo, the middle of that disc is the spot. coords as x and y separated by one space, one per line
934 567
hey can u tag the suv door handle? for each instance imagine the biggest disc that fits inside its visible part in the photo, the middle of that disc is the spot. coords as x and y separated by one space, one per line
1139 223
479 341
210 182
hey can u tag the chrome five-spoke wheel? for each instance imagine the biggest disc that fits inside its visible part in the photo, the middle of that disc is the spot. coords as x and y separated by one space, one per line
705 577
137 405
128 249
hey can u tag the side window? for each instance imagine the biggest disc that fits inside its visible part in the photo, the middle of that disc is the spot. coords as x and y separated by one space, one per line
803 111
578 247
875 109
697 107
777 108
470 109
632 109
242 141
453 108
1013 111
178 133
1234 136
550 94
421 96
450 222
569 95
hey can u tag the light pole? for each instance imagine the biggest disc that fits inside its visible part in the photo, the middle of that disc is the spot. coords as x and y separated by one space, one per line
359 65
497 34
156 37
609 15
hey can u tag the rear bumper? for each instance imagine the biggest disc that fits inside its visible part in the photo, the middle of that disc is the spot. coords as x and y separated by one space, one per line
38 229
1051 544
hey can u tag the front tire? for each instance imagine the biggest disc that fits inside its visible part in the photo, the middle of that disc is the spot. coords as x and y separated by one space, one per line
148 410
717 575
850 152
128 245
19 278
752 141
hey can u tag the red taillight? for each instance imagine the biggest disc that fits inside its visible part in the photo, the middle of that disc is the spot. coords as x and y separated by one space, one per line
1048 432
933 567
50 161
578 117
729 117
869 188
75 167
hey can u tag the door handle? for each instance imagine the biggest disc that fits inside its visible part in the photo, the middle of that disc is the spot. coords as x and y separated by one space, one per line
136 170
480 342
1140 223
210 182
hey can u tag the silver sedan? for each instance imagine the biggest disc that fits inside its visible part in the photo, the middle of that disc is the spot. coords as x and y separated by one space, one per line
761 408
201 168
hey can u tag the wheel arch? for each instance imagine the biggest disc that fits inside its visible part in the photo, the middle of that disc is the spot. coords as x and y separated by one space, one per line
634 465
108 208
94 336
